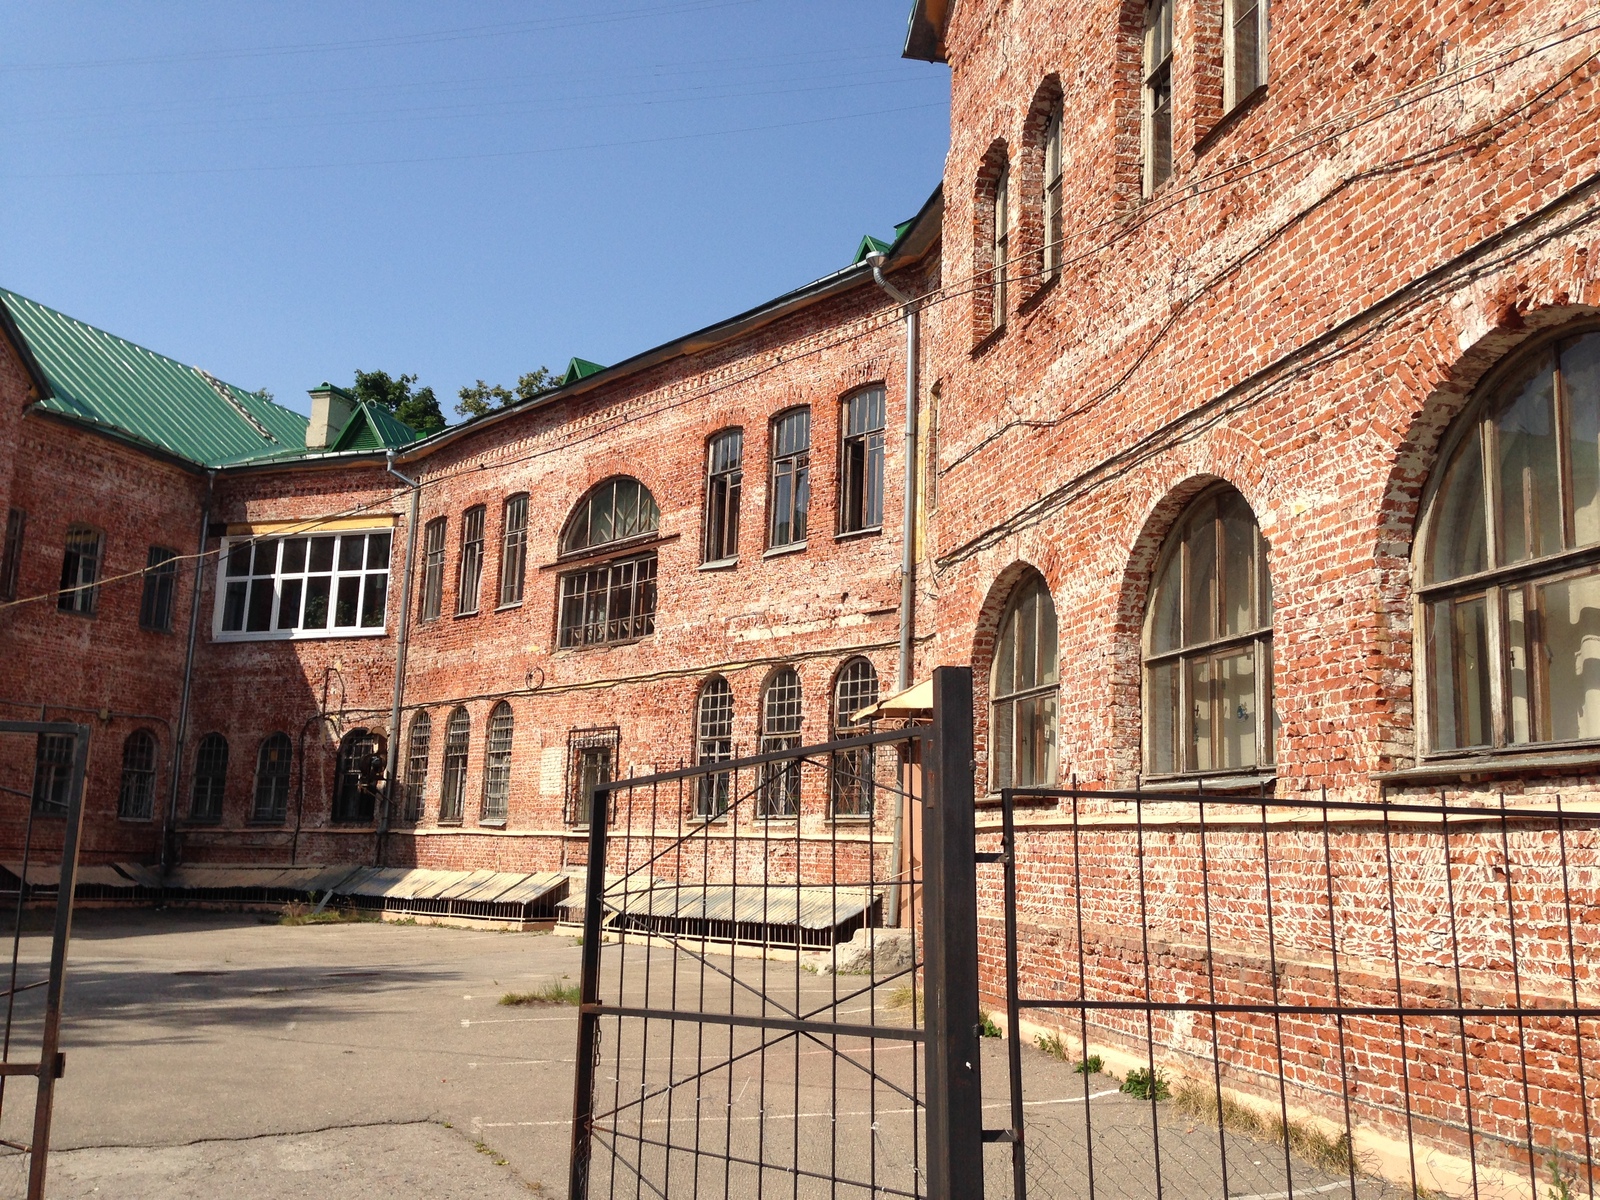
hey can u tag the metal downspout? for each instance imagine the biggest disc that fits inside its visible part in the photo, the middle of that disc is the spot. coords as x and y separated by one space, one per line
170 821
908 549
403 645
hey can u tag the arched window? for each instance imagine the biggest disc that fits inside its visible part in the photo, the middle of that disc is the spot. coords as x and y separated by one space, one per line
1510 559
851 771
1022 691
210 778
453 790
612 600
273 764
714 744
780 730
1208 644
136 799
417 748
356 785
497 764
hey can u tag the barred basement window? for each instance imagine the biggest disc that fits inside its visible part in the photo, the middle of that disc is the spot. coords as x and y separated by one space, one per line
497 765
160 574
432 569
11 558
1000 251
329 585
356 781
1157 94
210 778
714 744
52 774
453 790
1509 606
1208 644
1244 49
417 751
1053 230
791 478
851 771
471 561
1022 691
780 730
80 570
592 759
724 479
136 797
861 462
274 764
513 549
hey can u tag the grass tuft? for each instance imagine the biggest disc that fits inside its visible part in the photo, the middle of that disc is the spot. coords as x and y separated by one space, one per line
1332 1154
1051 1044
988 1028
296 913
1143 1084
552 991
903 997
1092 1065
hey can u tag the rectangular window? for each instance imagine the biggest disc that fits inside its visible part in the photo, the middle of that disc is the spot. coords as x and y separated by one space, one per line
1053 224
592 759
1244 49
791 478
471 561
11 560
432 569
80 570
614 602
513 550
160 574
1157 94
324 585
724 479
52 774
453 787
861 462
1002 246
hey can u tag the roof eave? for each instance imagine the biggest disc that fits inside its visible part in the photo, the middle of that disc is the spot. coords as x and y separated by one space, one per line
8 326
925 30
116 433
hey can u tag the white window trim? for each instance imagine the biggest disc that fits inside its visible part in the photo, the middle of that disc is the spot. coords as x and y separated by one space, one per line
219 600
1230 101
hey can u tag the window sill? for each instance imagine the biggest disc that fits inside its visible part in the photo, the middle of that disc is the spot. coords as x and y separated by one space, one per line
779 551
508 607
469 613
606 553
988 341
72 612
296 635
1229 119
153 629
190 822
266 823
586 646
1489 765
849 819
720 564
493 823
1209 784
452 823
851 535
131 820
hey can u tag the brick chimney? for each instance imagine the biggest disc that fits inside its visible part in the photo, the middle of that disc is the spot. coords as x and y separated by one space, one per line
330 410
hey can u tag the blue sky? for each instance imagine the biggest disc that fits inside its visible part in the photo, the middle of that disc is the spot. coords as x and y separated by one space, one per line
284 193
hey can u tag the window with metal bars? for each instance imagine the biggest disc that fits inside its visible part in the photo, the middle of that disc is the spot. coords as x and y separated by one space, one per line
1023 688
613 602
861 462
724 479
851 772
11 557
80 570
791 478
52 774
137 793
1053 229
471 561
513 549
779 793
1157 94
714 744
497 765
1000 251
453 788
323 586
1208 644
432 599
1509 558
592 761
160 577
417 750
210 778
274 764
360 768
1244 49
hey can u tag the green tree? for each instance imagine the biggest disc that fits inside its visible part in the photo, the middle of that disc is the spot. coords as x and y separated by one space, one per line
484 397
417 407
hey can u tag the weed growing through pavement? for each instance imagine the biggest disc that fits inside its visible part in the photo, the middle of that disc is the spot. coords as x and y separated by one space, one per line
552 991
1331 1153
988 1028
903 997
1092 1065
1052 1045
297 913
1141 1082
1560 1182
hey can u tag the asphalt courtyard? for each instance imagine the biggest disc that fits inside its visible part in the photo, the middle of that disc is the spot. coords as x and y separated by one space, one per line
224 1055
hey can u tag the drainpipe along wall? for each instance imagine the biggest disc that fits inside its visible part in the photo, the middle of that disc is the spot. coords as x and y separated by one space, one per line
403 643
170 820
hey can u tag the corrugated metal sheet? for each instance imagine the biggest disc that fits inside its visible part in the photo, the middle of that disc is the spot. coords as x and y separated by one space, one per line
101 379
48 875
212 876
809 907
530 889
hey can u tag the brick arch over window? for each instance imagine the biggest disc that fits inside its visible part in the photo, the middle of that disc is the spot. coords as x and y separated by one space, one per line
988 286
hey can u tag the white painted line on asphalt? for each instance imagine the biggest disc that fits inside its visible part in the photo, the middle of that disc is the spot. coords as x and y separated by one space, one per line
524 1062
466 1022
1327 1187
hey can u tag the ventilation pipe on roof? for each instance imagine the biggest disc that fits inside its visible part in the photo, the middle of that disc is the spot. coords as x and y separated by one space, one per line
403 643
330 412
908 548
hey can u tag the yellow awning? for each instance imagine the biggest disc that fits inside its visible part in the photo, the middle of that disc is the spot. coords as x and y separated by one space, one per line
915 701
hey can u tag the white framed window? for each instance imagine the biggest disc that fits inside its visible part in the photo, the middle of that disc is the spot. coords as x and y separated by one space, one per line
317 586
1244 50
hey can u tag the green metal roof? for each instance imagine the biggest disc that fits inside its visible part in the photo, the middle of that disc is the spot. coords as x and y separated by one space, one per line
102 380
580 368
872 245
373 427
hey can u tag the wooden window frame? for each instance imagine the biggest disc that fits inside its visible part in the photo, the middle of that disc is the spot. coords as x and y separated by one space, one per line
782 720
852 773
209 787
270 805
453 783
351 793
431 600
1052 227
579 743
11 556
494 808
136 791
788 481
160 589
469 574
861 459
419 745
1000 247
1156 99
1235 15
724 485
1005 705
82 554
589 600
713 712
513 550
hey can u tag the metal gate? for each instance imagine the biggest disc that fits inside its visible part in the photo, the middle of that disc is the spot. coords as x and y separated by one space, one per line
1232 996
779 990
51 758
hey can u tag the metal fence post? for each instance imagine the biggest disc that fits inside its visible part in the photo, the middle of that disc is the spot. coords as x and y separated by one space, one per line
588 998
950 925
